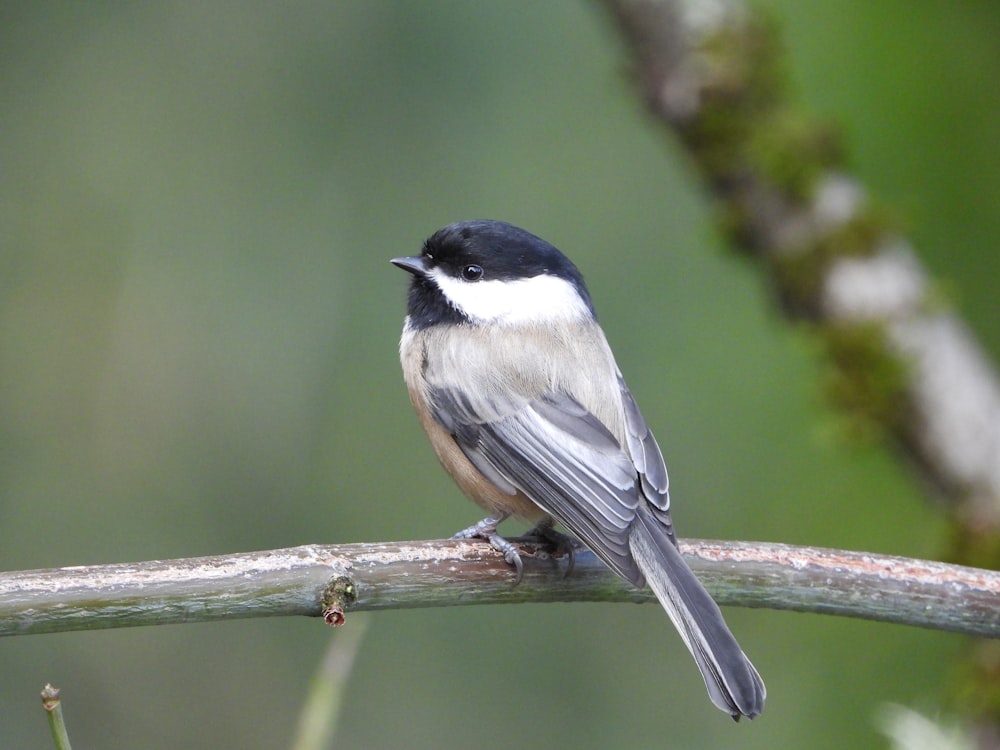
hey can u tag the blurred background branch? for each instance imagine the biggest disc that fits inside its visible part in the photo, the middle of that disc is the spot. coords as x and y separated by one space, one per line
902 364
407 575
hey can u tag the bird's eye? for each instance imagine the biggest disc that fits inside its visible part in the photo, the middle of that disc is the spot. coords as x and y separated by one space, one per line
472 273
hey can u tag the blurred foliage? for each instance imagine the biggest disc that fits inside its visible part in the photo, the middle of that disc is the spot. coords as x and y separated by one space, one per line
198 330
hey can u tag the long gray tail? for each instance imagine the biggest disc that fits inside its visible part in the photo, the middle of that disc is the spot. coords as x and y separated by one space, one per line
733 683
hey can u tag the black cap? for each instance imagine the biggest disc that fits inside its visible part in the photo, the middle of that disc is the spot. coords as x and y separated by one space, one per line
500 251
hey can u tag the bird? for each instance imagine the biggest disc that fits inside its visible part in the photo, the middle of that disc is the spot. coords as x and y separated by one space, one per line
515 384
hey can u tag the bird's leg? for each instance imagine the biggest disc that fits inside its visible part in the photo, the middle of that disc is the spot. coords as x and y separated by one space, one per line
556 542
487 529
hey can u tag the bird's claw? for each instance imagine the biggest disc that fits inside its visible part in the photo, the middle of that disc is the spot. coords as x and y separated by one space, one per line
482 529
510 554
555 542
487 529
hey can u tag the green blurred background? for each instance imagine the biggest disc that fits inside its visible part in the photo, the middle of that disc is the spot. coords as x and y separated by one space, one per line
198 328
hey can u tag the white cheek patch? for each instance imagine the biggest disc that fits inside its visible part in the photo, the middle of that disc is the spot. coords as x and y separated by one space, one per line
540 299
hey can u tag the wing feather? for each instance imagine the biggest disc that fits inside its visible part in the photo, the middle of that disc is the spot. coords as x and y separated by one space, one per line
645 451
559 455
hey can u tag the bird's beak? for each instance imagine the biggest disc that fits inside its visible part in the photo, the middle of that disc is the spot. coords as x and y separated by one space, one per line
414 264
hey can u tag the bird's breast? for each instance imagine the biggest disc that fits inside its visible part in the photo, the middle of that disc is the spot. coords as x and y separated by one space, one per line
499 363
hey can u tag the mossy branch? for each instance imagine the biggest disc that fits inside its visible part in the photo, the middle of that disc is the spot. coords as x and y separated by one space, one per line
448 573
901 363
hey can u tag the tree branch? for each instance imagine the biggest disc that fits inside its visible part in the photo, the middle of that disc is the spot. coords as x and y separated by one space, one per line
444 573
901 362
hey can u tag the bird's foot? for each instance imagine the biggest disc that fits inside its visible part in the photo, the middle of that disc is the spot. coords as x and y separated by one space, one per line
487 529
555 543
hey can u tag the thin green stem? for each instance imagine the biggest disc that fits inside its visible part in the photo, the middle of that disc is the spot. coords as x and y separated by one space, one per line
321 713
52 703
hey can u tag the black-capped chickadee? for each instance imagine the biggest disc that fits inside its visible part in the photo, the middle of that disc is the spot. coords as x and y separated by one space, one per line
520 395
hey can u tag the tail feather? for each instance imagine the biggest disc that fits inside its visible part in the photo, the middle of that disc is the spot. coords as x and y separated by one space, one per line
732 681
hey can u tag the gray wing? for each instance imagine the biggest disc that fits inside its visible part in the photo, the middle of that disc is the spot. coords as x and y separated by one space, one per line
647 458
564 459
